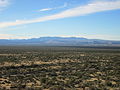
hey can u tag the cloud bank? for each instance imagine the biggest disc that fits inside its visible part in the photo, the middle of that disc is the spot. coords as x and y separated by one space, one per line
11 36
90 8
104 37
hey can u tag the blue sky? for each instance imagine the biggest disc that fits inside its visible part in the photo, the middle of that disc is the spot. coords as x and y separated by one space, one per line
98 19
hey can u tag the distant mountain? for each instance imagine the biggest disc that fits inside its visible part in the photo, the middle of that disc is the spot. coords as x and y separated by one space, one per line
58 41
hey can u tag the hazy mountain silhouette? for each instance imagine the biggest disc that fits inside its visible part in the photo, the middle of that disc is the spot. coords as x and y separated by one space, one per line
58 41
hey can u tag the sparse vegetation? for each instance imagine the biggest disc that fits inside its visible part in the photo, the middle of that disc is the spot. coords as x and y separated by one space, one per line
59 68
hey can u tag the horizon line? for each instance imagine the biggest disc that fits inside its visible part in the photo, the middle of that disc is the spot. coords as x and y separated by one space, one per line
56 36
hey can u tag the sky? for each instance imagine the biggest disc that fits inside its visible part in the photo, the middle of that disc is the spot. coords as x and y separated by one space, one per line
92 19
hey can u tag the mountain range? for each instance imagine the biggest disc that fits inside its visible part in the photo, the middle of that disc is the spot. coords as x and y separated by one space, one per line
59 41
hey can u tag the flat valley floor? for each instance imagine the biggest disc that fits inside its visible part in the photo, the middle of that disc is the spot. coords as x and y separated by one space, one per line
59 68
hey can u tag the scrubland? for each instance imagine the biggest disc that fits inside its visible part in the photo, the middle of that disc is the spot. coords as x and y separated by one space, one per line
59 68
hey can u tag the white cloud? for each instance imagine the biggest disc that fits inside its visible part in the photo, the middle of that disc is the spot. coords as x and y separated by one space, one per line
3 4
48 9
5 36
11 36
45 9
78 11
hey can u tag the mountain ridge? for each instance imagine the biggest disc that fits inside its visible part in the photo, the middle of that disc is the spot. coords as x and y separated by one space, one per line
58 41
